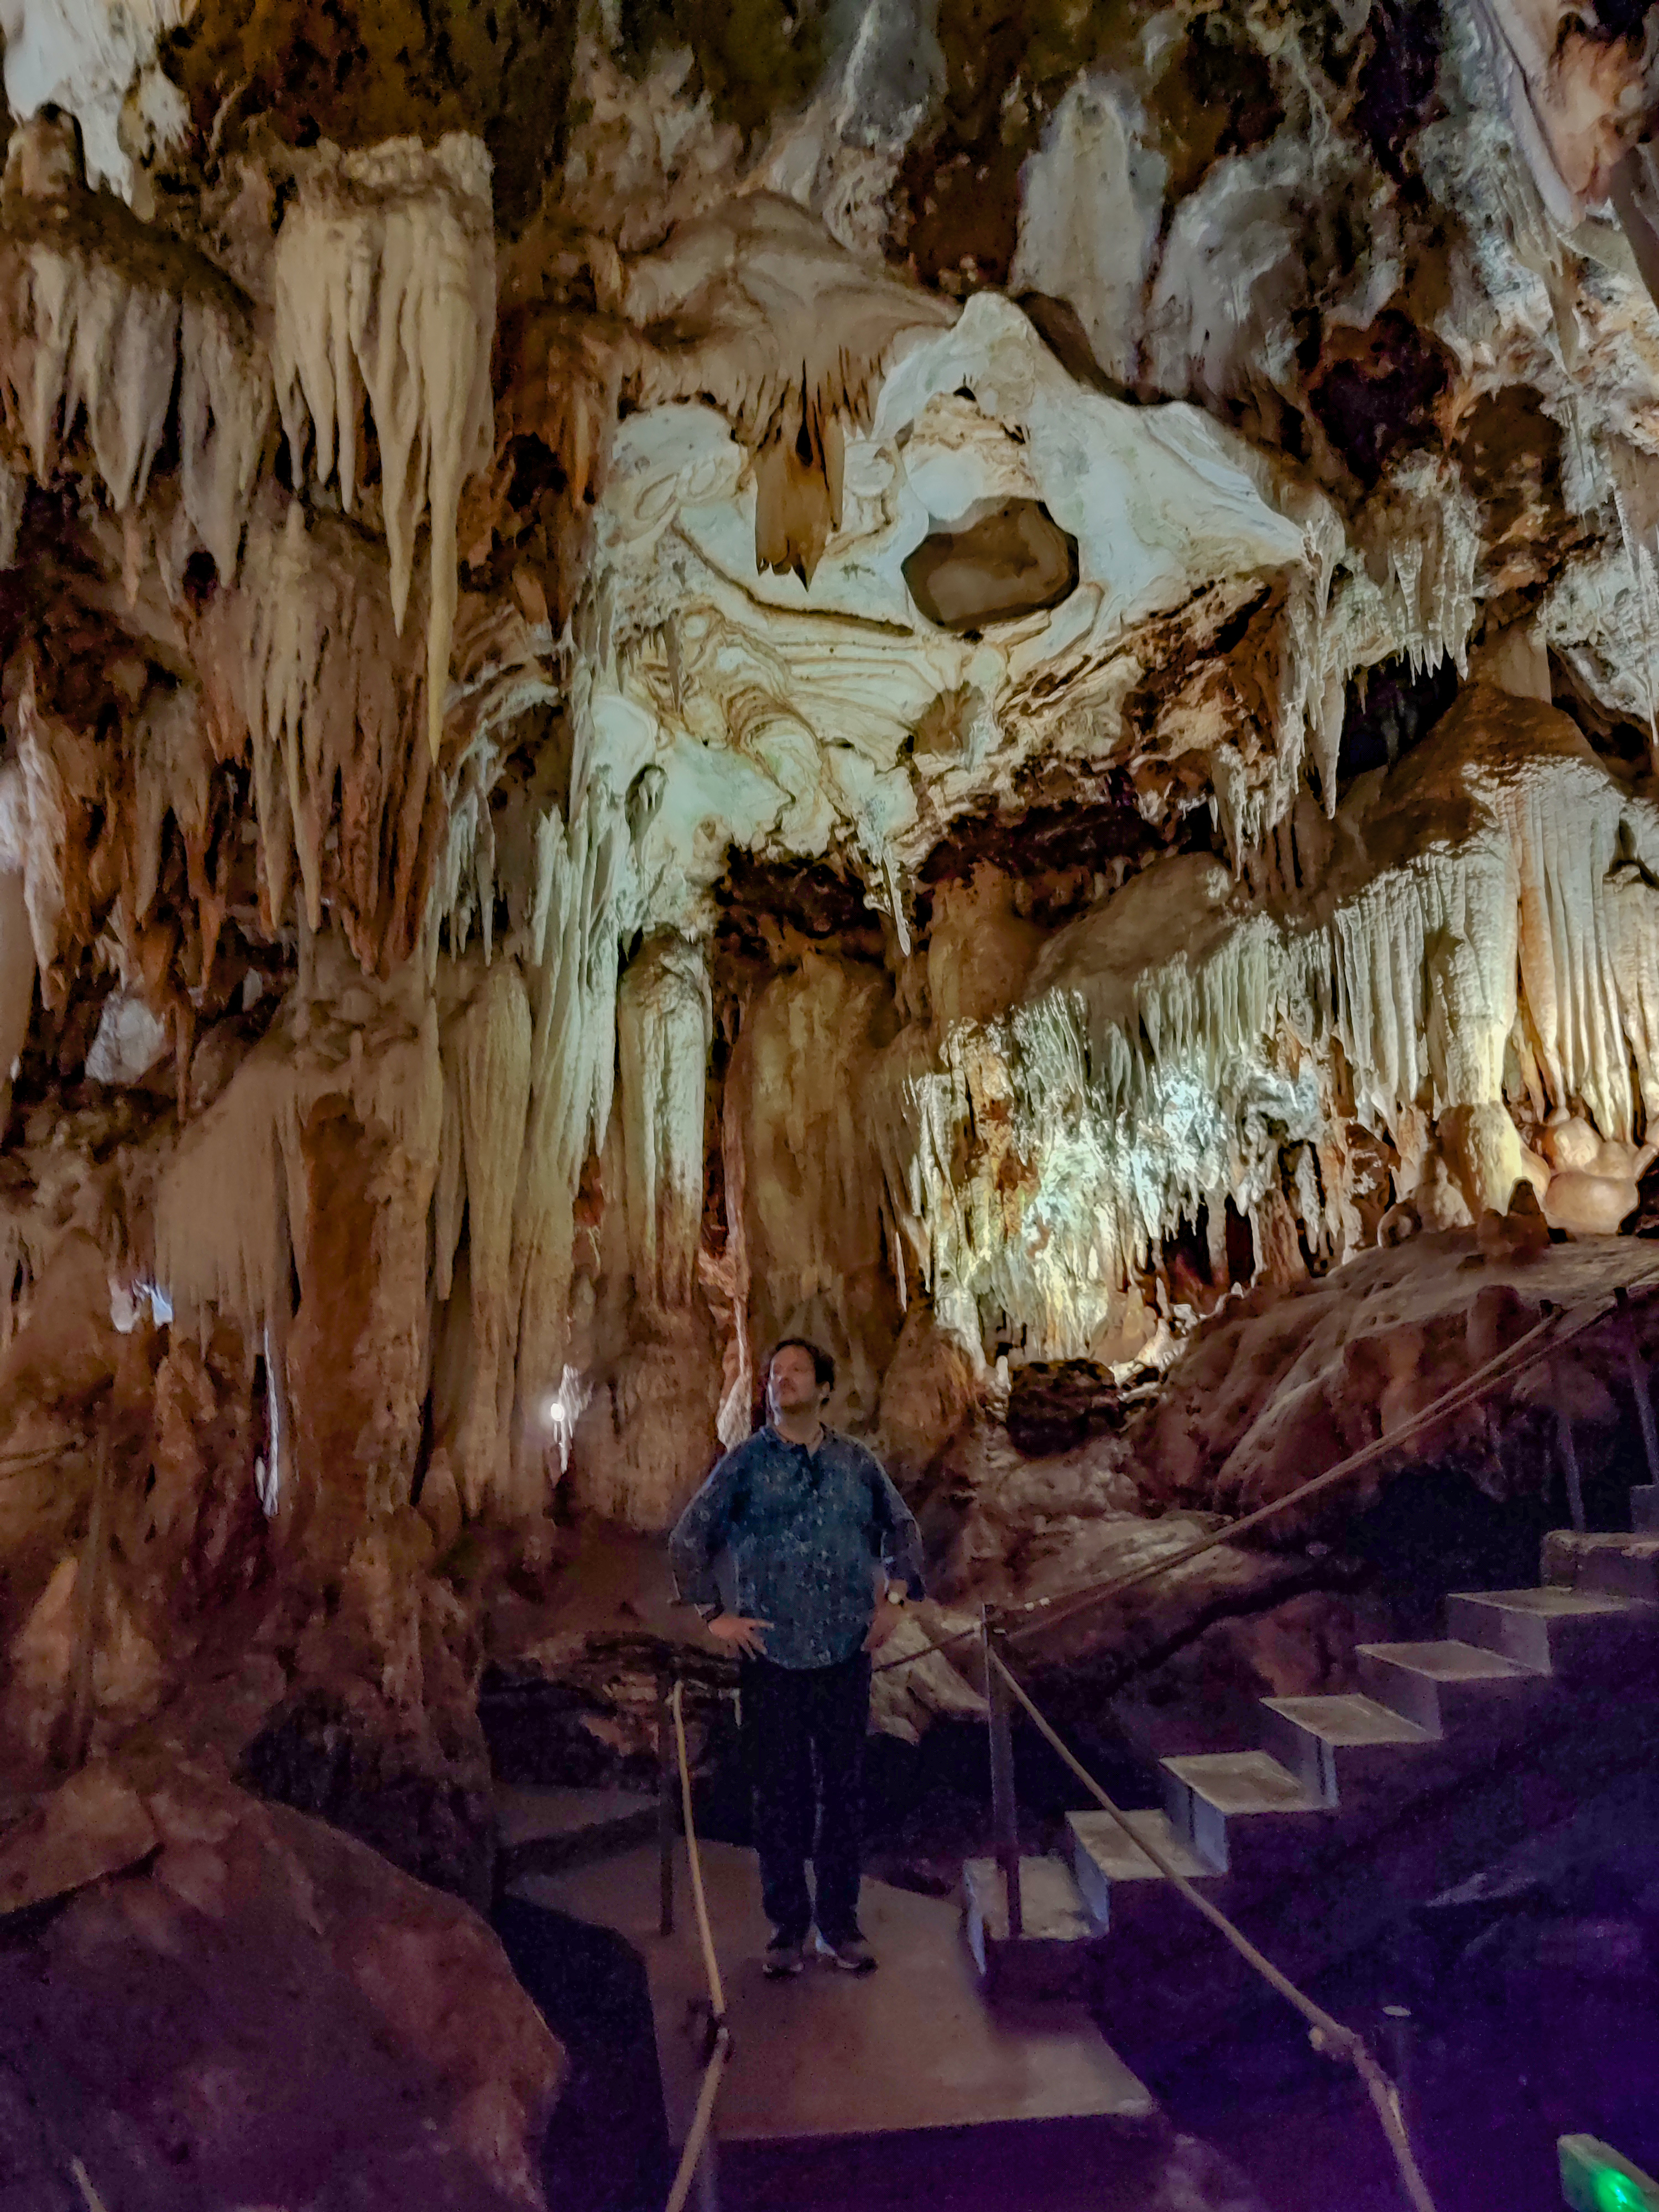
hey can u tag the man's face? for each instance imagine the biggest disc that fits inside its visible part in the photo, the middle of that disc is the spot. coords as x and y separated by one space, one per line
793 1384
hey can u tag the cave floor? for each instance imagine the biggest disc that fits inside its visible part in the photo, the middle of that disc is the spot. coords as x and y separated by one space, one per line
865 2089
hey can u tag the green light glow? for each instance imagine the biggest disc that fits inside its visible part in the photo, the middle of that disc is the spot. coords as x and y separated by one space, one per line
1616 2192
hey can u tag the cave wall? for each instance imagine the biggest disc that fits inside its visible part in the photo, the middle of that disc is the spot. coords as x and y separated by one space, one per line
960 684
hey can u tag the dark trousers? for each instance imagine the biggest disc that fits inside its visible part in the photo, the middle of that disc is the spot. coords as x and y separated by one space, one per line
804 1728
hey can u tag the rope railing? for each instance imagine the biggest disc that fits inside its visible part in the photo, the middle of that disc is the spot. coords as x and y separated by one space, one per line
1042 1615
720 2049
1329 2035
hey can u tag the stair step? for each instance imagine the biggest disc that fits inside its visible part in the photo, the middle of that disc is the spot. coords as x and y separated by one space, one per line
541 1830
1622 1566
1441 1686
1053 1957
1113 1873
1561 1631
1241 1810
1644 1509
1340 1748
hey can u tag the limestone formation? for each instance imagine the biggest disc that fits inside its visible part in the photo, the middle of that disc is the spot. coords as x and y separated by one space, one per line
986 693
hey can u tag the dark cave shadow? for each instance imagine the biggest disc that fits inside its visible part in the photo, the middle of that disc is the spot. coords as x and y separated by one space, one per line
607 2148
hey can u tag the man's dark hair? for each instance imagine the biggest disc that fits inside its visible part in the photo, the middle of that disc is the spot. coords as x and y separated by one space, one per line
823 1365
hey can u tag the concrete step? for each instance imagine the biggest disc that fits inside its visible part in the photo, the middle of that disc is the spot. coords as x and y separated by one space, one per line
1117 1880
1170 1991
1342 1749
1054 1955
1572 1633
1445 1686
1623 1566
1242 1810
540 1830
1644 1509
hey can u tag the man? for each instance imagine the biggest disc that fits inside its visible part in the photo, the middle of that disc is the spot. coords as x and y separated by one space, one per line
804 1515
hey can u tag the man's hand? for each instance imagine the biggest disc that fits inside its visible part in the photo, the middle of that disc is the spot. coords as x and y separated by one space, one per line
888 1617
740 1634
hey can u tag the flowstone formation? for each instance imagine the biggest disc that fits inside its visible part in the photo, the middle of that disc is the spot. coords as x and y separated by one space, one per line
975 682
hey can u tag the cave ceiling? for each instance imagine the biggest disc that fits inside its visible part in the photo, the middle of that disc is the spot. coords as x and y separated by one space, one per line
818 664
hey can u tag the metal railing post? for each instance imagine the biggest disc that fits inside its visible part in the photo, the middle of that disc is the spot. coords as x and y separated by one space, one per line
667 1799
1004 1811
1570 1467
1638 1384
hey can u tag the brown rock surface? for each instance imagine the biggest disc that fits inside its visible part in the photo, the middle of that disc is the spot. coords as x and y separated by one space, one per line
257 2011
1286 1383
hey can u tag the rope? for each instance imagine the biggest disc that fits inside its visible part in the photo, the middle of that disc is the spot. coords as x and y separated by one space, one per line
703 2116
83 2180
1328 2034
1503 1366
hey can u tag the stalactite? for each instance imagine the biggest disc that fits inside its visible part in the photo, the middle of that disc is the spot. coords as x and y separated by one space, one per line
758 308
223 1206
571 974
225 409
101 321
664 1030
724 1278
326 696
812 1209
1133 1086
386 294
172 766
54 770
490 1045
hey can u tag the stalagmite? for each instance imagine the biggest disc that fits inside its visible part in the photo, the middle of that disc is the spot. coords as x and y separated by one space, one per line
1090 215
1024 735
385 294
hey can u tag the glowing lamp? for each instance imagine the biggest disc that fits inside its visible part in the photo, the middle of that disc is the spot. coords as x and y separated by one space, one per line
1594 2179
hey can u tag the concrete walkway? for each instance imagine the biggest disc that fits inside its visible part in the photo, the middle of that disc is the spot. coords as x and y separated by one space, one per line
903 2071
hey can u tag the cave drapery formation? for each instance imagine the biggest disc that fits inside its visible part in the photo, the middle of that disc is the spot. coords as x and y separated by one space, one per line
965 677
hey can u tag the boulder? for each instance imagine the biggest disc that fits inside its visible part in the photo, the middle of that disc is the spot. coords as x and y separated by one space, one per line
253 2010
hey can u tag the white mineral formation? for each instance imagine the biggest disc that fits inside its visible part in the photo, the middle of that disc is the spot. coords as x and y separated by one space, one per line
1573 99
129 1043
964 702
1091 216
385 297
758 308
1505 969
83 56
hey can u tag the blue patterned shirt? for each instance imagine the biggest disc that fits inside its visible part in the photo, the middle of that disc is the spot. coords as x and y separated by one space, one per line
800 1532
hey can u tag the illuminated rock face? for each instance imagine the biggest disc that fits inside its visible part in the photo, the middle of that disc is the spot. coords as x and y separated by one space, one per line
963 697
